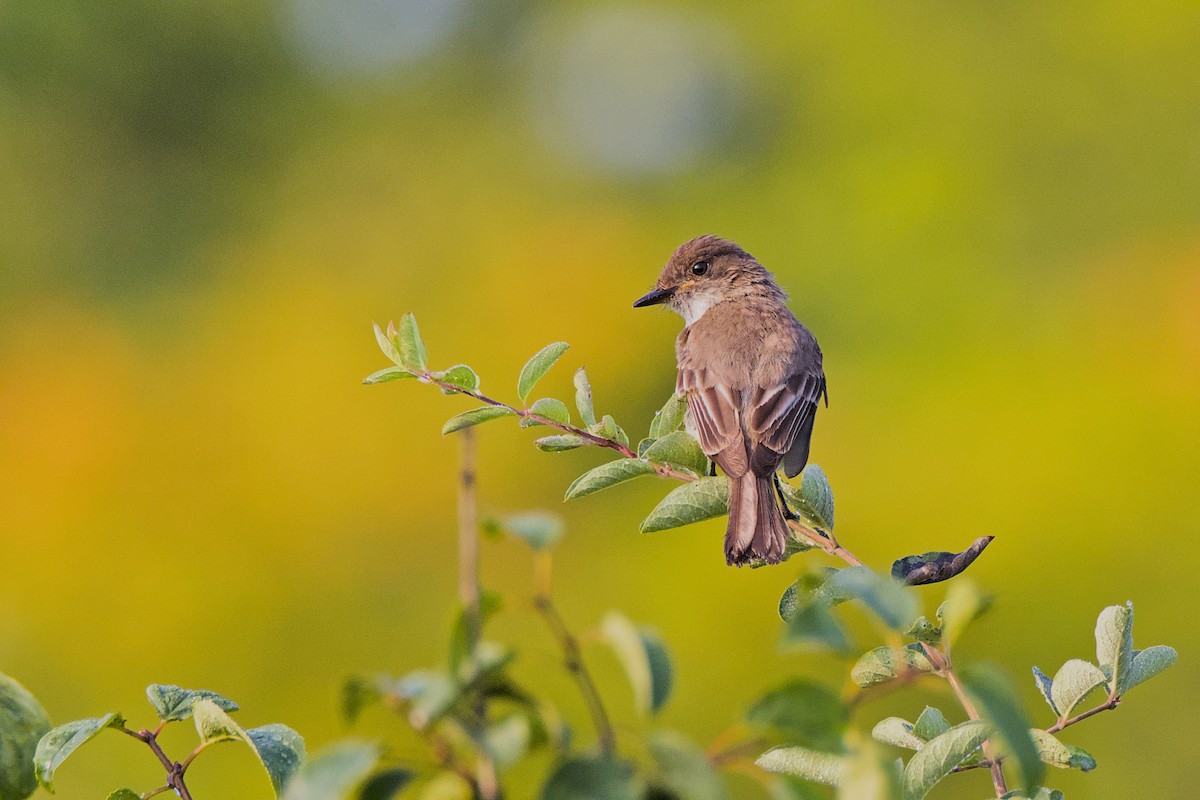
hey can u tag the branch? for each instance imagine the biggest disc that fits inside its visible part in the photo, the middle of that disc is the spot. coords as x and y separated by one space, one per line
943 668
174 768
1112 702
468 591
824 541
573 659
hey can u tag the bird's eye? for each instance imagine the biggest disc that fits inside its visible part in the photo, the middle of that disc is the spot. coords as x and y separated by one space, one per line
700 267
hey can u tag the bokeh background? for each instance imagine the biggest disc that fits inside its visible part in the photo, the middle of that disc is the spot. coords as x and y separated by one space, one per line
989 215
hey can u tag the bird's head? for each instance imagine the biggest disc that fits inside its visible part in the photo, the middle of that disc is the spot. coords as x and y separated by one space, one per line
703 272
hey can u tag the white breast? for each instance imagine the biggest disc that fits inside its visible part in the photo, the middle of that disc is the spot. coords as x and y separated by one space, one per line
694 307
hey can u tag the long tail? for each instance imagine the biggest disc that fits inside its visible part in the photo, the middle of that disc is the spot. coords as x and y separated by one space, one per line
757 530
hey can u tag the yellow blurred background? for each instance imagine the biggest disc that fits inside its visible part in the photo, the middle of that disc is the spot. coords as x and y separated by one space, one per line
988 214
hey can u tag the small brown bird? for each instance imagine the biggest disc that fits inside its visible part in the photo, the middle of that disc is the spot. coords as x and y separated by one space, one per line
752 377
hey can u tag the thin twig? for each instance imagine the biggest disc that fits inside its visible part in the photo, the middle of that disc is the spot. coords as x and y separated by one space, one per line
1112 702
823 541
943 667
174 768
573 660
468 591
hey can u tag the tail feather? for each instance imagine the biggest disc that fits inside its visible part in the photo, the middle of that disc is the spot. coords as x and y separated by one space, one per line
757 530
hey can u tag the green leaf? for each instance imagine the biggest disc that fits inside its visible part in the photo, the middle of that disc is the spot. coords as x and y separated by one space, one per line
119 794
387 344
808 712
684 769
408 341
924 631
800 593
1074 681
1149 662
930 724
333 773
669 418
892 602
583 398
23 722
560 443
214 725
609 429
538 529
606 475
459 376
386 784
474 417
489 603
1053 752
549 409
644 657
870 775
813 624
360 693
898 733
537 367
692 502
1114 645
1045 687
964 604
679 449
509 738
388 374
592 778
53 748
173 704
998 703
280 750
446 785
786 787
937 566
886 663
814 499
811 765
938 757
430 696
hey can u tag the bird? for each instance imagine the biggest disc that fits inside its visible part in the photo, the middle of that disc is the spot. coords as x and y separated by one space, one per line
752 377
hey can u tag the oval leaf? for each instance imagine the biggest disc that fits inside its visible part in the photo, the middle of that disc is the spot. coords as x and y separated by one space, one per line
678 449
592 778
937 758
938 566
172 703
23 722
684 769
1045 687
538 529
998 703
808 712
1114 644
461 377
669 418
408 341
607 475
550 410
692 502
892 602
644 657
64 740
1149 662
964 604
474 417
388 374
281 751
583 398
386 344
122 794
560 443
386 784
333 773
823 768
1057 754
1074 681
537 367
898 733
885 663
214 725
931 724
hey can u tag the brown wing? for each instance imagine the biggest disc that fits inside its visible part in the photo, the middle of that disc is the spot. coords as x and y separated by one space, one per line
713 412
779 421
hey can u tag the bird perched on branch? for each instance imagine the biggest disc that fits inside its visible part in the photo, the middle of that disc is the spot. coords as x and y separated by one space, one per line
751 375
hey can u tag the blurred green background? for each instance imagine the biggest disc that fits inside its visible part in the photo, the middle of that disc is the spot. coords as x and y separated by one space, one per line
988 213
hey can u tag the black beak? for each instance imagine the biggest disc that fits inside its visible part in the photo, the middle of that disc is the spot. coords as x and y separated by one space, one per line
654 298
